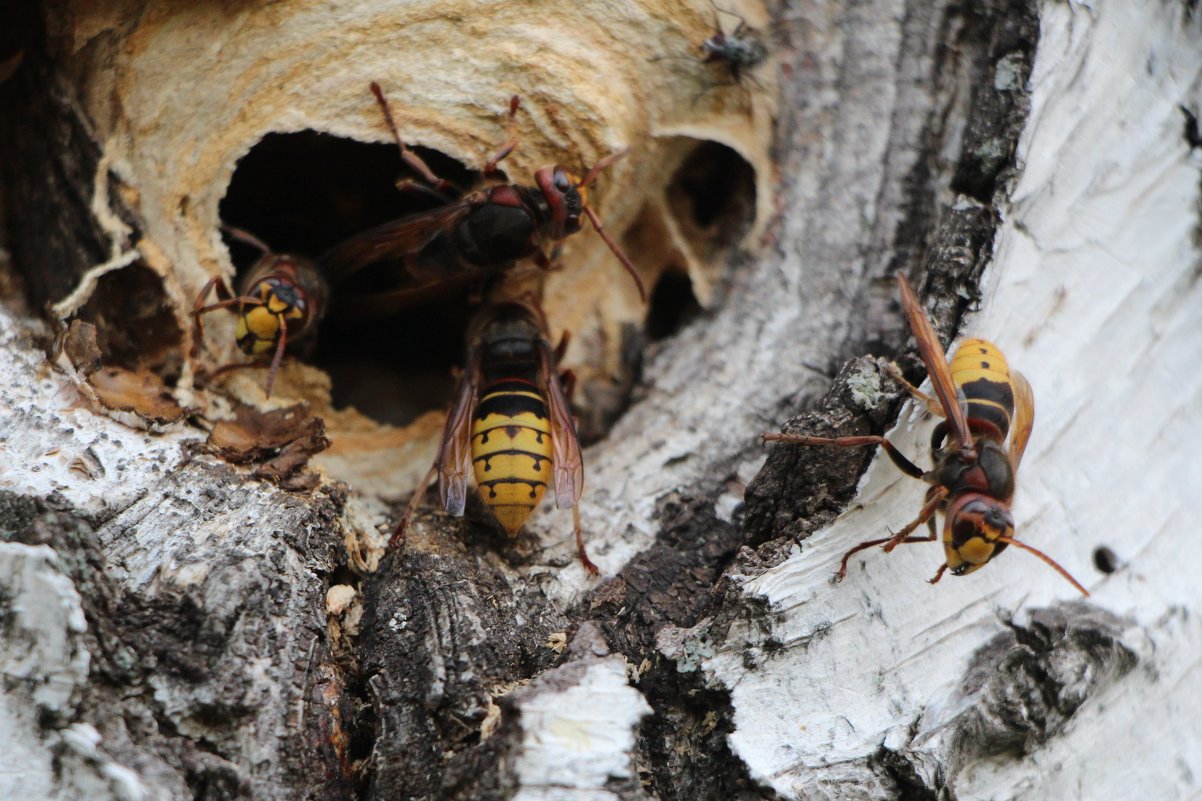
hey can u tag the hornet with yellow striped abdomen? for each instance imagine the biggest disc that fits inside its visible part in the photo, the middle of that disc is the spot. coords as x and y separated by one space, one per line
983 402
509 426
280 301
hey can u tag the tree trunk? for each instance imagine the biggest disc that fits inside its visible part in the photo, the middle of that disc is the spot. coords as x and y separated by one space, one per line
178 626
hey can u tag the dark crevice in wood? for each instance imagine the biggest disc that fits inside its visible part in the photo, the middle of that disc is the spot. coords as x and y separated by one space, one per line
672 306
135 322
712 196
1192 136
907 781
943 246
1026 684
999 39
684 743
1020 690
800 489
48 172
671 582
444 631
602 403
682 750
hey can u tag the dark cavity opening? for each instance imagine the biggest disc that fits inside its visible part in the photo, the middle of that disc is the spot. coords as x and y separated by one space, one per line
1105 560
1192 137
712 195
135 323
673 304
303 193
602 403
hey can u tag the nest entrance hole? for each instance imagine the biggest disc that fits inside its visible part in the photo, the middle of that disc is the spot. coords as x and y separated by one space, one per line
305 192
135 324
673 304
711 200
712 197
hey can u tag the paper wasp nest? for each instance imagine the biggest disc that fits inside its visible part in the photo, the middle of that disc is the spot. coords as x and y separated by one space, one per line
280 91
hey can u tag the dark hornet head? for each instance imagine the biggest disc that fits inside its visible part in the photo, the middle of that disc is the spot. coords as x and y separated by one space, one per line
976 528
566 198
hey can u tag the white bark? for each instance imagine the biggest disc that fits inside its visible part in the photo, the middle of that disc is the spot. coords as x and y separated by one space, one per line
578 723
44 661
54 443
1093 294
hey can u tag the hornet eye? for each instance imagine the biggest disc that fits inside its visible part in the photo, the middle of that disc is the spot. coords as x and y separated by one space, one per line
561 181
996 519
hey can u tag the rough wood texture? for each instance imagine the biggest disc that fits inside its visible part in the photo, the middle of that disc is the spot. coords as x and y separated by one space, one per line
1000 151
204 650
977 688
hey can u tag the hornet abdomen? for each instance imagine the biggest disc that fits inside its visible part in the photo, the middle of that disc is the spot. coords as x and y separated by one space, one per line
511 449
980 371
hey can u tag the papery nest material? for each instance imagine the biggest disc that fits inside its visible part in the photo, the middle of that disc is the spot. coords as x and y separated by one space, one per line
280 442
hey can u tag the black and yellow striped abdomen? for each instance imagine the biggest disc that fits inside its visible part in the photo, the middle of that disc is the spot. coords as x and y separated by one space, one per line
511 450
258 329
980 371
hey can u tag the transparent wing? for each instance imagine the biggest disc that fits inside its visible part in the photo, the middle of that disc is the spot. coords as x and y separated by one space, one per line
1024 417
567 463
455 455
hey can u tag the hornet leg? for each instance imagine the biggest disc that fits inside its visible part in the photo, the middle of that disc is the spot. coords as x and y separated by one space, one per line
398 535
899 459
842 572
584 560
935 496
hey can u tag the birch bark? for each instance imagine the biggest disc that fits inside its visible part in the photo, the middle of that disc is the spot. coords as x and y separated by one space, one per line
174 628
